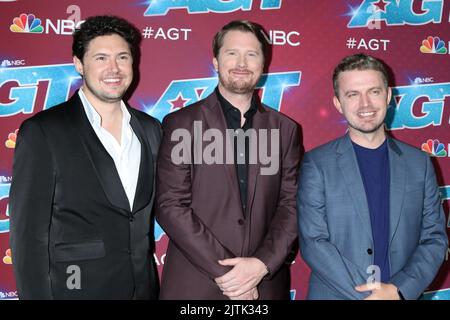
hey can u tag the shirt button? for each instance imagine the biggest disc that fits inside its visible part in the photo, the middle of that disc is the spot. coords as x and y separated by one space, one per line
369 251
242 180
241 154
241 222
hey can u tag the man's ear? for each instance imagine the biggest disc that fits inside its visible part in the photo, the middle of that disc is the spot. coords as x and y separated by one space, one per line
389 95
337 104
78 65
216 64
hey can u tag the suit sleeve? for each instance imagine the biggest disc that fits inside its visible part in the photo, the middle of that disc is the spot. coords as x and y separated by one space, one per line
424 263
155 136
30 204
282 231
318 252
177 218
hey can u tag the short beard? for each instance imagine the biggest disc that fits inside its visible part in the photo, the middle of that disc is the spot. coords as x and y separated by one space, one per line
237 87
102 97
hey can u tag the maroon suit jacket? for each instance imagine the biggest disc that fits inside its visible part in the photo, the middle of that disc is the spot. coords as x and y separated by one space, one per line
199 207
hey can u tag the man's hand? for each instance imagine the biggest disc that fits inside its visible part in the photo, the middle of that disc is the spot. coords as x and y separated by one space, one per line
245 275
380 291
253 294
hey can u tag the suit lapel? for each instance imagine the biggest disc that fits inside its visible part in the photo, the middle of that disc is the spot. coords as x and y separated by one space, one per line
102 162
397 174
144 186
259 122
351 176
215 119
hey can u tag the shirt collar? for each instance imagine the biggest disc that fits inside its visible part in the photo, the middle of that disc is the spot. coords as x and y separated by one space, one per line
92 114
227 106
381 148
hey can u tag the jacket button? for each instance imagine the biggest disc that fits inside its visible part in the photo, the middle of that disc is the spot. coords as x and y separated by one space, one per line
131 218
241 222
129 251
369 251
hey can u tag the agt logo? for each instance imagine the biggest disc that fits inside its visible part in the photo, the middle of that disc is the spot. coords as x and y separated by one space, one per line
28 23
26 80
159 232
162 7
4 194
444 191
437 295
433 45
434 148
395 13
400 113
293 292
181 93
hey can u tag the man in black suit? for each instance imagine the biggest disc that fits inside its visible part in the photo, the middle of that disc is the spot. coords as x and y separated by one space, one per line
83 175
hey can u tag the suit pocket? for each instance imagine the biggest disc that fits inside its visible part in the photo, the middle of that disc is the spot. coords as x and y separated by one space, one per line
86 250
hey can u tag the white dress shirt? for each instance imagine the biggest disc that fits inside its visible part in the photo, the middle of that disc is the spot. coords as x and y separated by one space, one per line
126 155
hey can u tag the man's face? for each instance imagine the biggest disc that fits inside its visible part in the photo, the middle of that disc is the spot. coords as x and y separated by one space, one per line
106 68
239 63
363 100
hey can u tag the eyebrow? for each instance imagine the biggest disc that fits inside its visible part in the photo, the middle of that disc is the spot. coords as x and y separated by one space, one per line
106 54
357 91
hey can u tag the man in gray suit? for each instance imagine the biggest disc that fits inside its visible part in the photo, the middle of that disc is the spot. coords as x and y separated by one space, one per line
370 218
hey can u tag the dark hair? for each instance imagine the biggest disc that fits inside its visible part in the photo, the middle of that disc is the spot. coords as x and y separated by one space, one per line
359 61
97 26
244 26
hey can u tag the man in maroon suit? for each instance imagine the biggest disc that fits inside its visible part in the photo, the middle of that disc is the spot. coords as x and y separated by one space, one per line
227 182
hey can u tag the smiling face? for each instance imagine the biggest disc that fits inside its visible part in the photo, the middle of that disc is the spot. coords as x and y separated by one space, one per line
363 100
239 63
106 69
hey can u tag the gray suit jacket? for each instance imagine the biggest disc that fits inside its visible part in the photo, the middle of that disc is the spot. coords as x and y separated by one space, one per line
335 228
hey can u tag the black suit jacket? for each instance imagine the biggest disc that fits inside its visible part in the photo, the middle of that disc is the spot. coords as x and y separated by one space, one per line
68 208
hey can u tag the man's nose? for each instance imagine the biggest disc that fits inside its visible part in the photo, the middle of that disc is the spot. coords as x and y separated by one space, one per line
242 62
365 101
114 65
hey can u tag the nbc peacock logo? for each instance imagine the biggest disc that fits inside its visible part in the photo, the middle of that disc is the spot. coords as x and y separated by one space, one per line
434 148
26 23
11 142
7 258
433 45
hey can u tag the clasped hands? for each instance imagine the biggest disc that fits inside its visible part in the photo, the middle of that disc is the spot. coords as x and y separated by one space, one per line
240 283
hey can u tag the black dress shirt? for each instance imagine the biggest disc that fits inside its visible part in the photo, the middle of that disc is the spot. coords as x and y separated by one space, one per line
241 159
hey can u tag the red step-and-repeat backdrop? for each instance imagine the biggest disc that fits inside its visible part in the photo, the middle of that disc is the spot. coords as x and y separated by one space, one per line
309 38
